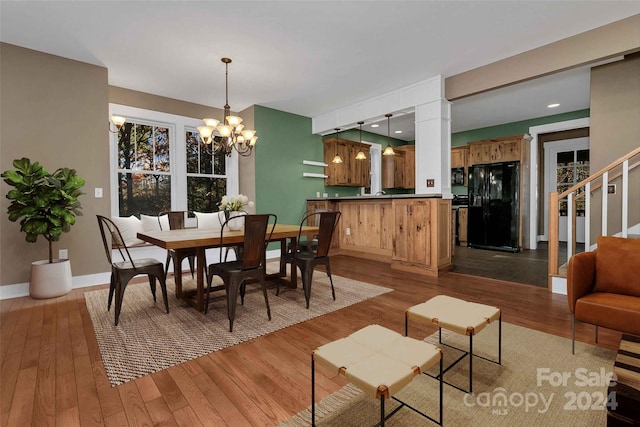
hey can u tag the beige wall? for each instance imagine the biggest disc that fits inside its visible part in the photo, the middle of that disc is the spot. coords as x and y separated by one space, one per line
615 131
53 110
618 38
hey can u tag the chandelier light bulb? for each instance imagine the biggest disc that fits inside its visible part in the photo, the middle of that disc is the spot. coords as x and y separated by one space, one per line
212 123
224 131
206 133
234 120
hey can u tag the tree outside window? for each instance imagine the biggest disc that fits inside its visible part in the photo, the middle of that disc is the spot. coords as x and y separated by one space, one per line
144 172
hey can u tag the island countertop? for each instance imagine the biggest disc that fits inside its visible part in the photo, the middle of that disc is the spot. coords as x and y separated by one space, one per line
381 197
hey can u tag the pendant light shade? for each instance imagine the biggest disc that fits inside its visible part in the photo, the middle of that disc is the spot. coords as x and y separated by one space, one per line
388 151
337 158
361 155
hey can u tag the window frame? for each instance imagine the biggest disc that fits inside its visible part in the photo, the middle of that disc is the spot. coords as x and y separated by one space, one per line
178 126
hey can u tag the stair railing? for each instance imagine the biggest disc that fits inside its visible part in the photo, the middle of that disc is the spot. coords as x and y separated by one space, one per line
584 190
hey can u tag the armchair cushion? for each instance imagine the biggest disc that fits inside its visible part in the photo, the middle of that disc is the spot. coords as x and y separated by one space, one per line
581 274
614 311
617 262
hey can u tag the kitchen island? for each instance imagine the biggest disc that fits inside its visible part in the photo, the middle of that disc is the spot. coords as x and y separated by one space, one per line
411 231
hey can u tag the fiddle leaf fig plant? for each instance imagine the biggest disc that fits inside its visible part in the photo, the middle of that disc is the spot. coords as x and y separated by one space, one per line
45 203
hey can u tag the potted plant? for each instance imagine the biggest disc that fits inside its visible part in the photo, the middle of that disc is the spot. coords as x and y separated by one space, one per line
46 205
233 206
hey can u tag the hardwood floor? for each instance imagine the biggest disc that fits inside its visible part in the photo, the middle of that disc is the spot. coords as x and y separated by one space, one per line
52 372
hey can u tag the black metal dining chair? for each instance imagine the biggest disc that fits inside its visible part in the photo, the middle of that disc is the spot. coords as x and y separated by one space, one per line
176 222
307 259
310 245
250 264
123 271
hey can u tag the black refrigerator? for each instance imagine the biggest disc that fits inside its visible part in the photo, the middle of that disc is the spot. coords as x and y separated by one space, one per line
494 206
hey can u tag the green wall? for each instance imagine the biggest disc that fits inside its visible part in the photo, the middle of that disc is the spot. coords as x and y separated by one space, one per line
285 141
463 138
507 129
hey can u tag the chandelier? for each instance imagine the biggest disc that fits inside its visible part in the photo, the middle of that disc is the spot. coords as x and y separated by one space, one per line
231 133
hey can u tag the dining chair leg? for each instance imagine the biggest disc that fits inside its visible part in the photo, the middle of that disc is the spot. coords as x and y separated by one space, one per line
119 295
206 299
192 261
167 262
112 288
266 297
163 288
243 288
333 291
152 285
307 279
232 300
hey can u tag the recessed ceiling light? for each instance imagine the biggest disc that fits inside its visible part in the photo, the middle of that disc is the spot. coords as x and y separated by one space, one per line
553 105
375 125
398 131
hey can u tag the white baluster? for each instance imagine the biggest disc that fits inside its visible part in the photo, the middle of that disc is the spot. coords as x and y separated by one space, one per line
587 216
605 197
570 226
625 198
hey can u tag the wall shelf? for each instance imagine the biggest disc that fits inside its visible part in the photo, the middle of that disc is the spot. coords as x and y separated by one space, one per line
313 163
314 175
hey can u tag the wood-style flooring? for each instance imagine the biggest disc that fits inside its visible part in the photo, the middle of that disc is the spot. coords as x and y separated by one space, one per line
52 372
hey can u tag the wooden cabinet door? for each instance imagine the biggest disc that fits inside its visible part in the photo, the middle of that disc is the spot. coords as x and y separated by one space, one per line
409 168
511 151
462 225
458 157
412 233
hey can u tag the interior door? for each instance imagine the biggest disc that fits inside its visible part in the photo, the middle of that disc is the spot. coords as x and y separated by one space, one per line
566 164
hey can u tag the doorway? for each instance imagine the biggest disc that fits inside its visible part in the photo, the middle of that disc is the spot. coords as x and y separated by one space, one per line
566 164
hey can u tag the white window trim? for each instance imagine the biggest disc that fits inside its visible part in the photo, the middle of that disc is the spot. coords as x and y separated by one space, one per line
178 126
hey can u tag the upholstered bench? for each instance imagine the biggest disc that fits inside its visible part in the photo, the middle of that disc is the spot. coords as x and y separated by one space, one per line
459 316
380 362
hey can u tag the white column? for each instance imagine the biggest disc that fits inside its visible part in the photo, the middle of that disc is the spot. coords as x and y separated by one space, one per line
433 147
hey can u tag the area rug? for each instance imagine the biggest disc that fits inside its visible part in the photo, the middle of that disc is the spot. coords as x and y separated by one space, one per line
540 383
148 339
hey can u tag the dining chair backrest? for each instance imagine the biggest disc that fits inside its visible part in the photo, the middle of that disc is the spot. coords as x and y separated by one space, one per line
314 220
108 228
176 219
257 233
327 222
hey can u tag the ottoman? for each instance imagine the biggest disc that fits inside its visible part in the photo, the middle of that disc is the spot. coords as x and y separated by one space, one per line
459 316
380 362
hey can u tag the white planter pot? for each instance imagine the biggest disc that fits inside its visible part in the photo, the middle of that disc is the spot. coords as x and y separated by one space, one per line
50 280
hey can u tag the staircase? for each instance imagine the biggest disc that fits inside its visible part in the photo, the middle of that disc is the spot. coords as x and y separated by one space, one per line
598 221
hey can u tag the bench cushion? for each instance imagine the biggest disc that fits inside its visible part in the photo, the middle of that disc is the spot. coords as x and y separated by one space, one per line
462 317
377 360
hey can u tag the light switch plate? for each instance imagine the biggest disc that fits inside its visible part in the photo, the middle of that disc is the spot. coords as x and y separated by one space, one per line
431 182
98 193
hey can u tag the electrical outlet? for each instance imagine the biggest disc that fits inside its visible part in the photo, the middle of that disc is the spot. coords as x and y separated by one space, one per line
63 254
348 231
611 189
431 182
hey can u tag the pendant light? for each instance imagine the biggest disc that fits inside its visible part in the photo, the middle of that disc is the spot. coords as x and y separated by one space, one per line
389 150
361 155
337 158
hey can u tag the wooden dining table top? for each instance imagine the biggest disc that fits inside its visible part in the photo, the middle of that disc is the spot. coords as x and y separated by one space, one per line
195 237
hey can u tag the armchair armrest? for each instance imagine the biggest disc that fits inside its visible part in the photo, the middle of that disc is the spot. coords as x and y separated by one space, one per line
581 274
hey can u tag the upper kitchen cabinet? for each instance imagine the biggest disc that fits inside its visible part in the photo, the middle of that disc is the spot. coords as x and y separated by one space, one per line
459 163
505 149
351 172
399 171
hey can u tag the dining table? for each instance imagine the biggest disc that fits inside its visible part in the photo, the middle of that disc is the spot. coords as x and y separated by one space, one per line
203 239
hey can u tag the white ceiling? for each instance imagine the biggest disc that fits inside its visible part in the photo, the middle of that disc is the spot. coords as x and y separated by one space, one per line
312 57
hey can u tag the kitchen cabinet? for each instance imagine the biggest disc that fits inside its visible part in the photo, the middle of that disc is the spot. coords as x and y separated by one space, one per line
328 205
422 235
505 149
459 157
460 160
351 172
462 225
399 171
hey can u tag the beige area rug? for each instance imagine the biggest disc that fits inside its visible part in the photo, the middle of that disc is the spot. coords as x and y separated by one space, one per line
148 339
540 383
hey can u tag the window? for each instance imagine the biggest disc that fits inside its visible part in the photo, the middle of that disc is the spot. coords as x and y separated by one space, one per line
158 164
